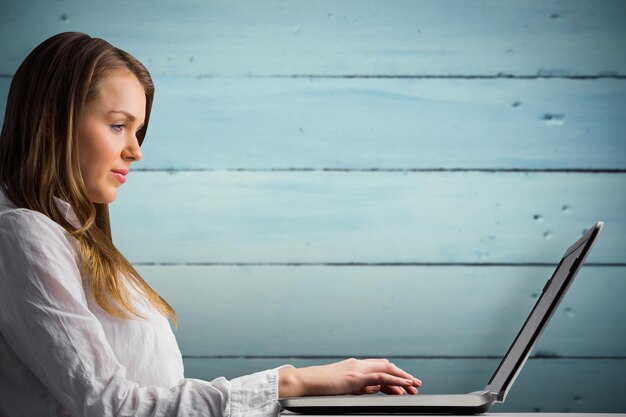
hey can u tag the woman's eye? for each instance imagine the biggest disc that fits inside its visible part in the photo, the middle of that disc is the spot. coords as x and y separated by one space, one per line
115 127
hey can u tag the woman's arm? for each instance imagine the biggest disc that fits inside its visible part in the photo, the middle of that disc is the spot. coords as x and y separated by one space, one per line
45 320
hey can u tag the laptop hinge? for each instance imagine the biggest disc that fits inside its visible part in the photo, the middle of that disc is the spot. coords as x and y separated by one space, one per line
495 397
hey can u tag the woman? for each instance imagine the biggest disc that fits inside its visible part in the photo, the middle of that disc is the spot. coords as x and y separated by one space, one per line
81 333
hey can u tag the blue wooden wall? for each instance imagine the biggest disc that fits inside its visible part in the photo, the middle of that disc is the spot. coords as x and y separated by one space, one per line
325 179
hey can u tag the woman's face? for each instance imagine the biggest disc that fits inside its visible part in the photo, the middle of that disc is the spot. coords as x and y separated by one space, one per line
107 142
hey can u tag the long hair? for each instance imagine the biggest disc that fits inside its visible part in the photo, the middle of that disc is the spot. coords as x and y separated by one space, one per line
39 156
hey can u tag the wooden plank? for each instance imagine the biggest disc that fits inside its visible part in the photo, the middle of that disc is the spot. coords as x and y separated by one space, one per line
356 37
224 123
397 311
548 385
368 217
397 124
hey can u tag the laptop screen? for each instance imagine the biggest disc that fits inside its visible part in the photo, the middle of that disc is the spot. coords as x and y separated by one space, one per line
552 293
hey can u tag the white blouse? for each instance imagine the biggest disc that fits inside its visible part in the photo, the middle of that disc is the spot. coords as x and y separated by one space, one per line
62 355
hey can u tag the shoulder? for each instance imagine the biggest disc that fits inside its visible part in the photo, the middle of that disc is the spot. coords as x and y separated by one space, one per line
21 220
24 228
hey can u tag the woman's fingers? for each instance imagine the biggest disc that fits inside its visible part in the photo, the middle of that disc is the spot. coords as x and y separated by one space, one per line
380 371
390 368
395 390
381 378
392 390
371 389
411 390
399 372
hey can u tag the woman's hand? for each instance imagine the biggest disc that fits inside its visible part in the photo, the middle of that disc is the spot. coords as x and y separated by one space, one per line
350 376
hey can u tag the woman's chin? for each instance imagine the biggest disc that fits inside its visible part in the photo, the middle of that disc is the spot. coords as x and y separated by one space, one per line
103 197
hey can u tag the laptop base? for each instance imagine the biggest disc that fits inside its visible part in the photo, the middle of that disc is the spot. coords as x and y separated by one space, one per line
472 403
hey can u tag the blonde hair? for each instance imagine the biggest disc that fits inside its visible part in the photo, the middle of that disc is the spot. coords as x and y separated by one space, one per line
39 155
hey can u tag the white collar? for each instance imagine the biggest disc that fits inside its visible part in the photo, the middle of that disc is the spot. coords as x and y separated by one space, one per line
66 209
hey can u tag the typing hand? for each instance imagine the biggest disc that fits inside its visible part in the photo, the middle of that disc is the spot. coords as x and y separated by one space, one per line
351 376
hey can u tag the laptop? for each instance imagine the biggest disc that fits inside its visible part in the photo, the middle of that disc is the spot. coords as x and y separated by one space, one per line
501 381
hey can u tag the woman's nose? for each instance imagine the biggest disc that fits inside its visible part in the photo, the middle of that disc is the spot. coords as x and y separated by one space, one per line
133 150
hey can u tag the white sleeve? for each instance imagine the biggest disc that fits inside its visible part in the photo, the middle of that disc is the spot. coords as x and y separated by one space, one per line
45 319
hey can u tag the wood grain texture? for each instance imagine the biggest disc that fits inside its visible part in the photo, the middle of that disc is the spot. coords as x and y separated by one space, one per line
243 123
379 311
370 217
548 385
372 37
387 124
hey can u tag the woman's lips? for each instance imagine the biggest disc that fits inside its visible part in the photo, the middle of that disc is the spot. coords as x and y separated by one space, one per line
120 175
